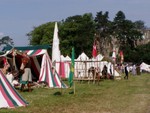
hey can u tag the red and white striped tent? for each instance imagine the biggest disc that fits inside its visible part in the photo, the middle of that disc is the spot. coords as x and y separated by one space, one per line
9 97
41 68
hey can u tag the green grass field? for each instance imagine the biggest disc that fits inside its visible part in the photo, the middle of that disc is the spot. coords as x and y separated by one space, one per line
110 96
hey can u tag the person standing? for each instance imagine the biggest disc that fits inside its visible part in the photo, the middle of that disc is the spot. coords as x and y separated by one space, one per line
104 71
25 68
134 70
126 70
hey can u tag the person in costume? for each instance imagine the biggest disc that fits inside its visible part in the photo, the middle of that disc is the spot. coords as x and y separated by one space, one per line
25 70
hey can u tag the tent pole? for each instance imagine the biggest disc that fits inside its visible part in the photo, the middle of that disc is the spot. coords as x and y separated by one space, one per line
14 59
74 88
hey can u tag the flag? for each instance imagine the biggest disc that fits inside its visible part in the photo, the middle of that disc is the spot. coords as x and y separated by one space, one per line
71 74
94 51
114 54
121 57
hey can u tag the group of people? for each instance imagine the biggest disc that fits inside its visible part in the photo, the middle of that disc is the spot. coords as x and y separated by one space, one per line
126 70
6 70
23 74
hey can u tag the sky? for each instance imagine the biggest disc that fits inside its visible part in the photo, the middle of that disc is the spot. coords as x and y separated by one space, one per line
18 17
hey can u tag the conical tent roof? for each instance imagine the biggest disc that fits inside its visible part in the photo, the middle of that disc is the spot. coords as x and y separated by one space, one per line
99 57
55 49
9 97
67 58
83 57
48 75
55 46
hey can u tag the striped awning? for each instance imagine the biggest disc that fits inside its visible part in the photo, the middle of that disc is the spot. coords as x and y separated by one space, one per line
36 52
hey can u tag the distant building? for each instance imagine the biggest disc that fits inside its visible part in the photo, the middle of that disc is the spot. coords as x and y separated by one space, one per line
146 37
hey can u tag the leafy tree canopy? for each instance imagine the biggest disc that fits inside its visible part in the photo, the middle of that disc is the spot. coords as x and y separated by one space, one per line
42 34
78 31
6 41
126 31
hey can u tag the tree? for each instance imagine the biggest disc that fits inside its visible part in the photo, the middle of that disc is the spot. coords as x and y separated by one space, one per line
104 31
139 54
139 24
125 31
118 26
77 31
42 34
6 41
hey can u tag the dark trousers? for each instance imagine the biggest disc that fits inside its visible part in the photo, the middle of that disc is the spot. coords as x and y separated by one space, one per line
126 76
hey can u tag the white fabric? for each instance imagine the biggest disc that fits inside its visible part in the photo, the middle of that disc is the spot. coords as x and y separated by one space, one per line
67 58
55 46
82 57
10 77
99 57
22 66
145 67
3 102
10 93
27 75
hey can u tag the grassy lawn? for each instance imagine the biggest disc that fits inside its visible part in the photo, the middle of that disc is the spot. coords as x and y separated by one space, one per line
110 96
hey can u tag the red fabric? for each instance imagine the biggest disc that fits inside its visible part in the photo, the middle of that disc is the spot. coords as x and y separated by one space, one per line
36 71
94 51
5 61
121 56
62 70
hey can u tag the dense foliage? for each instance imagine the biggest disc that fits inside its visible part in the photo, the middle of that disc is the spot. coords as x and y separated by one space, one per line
79 31
139 54
126 31
42 34
5 42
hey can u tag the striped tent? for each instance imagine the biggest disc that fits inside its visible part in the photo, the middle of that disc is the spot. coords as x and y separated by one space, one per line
9 97
41 68
49 74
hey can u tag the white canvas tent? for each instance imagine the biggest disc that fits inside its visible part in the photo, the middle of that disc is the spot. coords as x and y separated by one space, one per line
81 65
145 67
64 68
55 50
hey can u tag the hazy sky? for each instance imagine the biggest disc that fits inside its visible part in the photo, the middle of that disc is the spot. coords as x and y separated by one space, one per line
18 17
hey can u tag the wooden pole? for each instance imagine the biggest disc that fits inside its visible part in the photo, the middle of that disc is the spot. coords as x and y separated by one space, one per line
74 88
